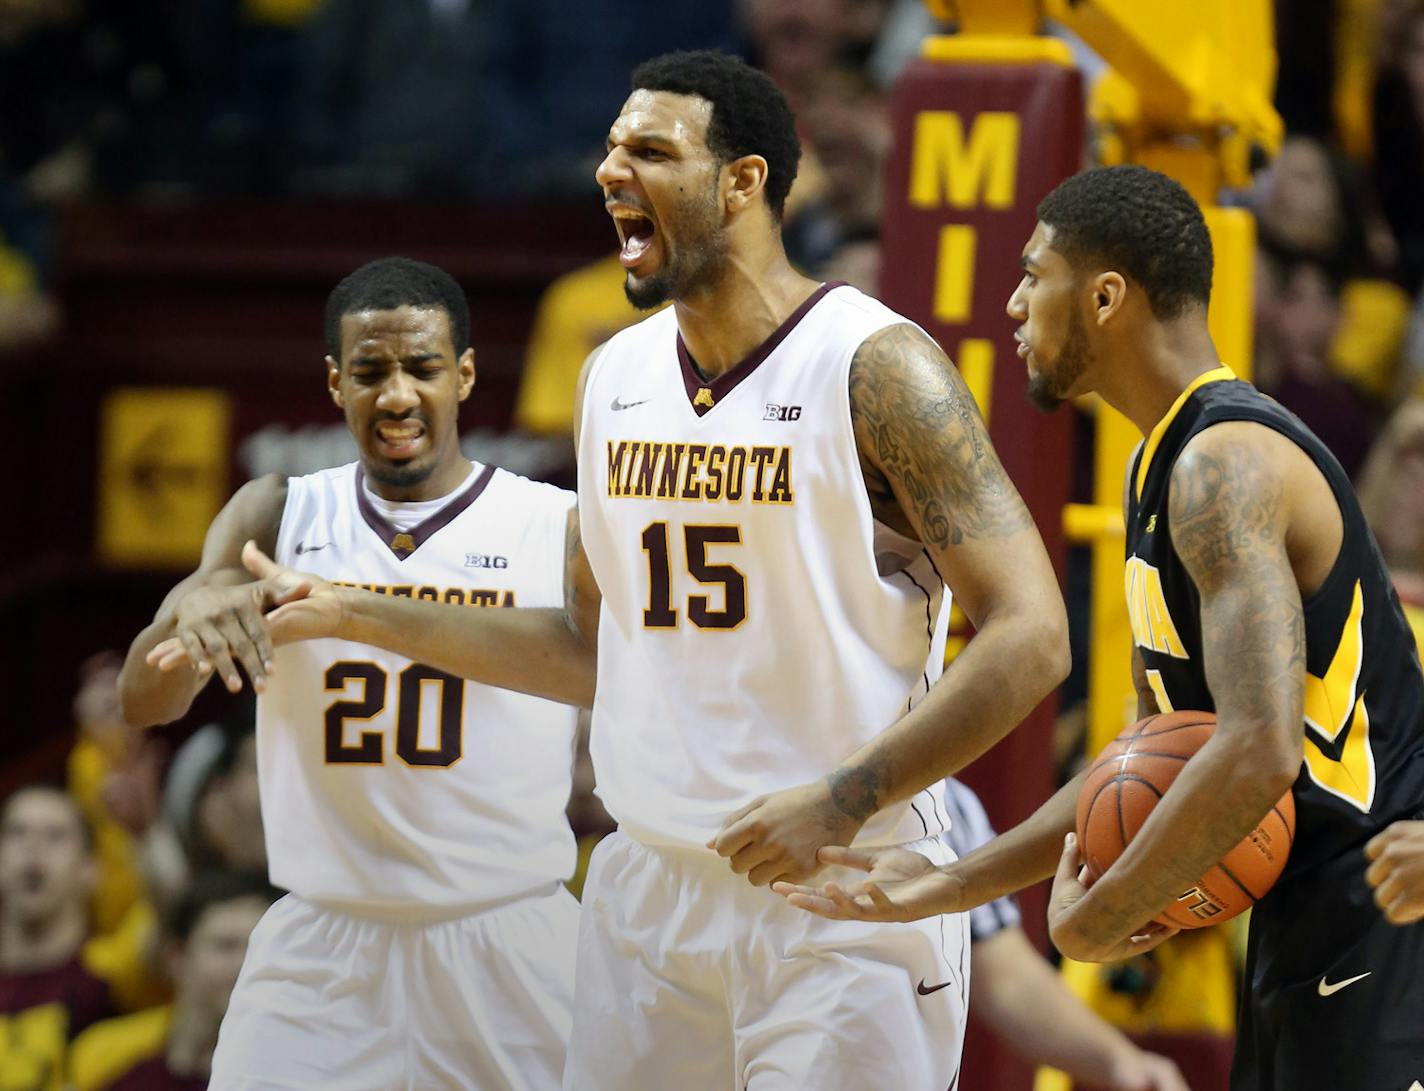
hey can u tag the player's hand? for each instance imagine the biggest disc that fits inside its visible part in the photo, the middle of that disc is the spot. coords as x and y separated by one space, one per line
216 628
1143 1071
776 837
319 611
901 886
1397 871
1070 885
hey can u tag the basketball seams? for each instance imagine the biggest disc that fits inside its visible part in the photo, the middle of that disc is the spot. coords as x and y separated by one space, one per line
1221 867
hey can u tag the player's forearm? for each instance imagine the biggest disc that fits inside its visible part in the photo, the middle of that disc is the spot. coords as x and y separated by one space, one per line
1025 1002
1219 797
1003 673
534 651
1022 856
147 695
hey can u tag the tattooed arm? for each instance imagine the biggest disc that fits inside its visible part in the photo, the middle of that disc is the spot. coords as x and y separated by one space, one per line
932 474
1229 516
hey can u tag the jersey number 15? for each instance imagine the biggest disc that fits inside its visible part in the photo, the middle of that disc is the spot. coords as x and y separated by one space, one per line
696 540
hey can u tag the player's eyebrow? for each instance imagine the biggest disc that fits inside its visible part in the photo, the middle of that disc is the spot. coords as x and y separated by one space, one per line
638 139
413 358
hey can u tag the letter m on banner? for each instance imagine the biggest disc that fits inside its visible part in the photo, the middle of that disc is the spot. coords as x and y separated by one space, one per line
946 166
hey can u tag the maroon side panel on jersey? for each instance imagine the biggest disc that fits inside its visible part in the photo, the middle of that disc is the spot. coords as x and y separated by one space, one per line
976 147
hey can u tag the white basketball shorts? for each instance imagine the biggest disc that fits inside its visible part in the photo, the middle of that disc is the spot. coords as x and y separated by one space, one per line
691 979
328 1001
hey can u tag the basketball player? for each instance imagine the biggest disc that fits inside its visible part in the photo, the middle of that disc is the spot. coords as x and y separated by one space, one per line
1255 590
417 819
776 478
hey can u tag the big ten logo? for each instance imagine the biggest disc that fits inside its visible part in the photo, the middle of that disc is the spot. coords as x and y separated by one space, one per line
781 412
485 560
964 170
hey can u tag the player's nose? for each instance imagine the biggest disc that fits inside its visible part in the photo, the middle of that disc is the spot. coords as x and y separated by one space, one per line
398 394
613 169
1016 307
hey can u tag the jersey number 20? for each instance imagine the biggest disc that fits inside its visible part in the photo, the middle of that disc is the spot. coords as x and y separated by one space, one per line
411 685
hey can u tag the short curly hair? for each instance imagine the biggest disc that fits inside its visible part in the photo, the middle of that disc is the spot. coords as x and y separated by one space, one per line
750 115
1139 222
388 283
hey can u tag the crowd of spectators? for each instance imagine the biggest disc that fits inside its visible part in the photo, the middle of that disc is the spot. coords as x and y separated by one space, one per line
128 890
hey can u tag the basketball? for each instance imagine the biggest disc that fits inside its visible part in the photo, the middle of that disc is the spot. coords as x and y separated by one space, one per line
1125 783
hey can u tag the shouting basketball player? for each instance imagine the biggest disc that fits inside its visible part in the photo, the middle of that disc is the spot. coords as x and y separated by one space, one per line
776 478
417 819
1255 590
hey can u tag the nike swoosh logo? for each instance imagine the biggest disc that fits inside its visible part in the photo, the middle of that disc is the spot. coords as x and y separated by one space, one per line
1330 990
618 406
310 549
920 988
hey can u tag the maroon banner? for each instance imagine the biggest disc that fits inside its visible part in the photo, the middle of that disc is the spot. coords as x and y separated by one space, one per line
977 146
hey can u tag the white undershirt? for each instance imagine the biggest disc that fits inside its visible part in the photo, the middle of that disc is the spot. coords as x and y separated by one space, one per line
404 514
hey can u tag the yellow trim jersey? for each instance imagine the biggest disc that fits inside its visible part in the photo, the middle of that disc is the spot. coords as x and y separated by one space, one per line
1364 693
390 785
758 624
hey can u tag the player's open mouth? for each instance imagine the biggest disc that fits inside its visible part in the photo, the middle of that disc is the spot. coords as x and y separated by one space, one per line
636 233
400 438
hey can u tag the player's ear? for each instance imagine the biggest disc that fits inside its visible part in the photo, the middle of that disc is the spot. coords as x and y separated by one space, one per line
333 382
1109 293
465 367
745 180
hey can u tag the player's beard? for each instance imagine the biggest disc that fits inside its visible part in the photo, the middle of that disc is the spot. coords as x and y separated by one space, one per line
695 262
1048 389
402 475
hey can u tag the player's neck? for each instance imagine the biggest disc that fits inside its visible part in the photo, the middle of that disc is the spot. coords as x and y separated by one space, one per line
1164 360
723 325
440 484
29 947
191 1040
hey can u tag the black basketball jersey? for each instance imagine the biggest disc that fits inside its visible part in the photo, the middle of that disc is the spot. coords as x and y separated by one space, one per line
1364 691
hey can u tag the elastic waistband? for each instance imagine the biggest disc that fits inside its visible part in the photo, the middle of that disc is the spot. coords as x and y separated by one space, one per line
423 913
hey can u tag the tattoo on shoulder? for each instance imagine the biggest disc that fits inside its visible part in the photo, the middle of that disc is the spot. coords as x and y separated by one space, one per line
855 792
1223 509
1225 512
926 445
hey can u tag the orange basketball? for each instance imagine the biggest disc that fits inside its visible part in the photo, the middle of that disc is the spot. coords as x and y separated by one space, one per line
1125 783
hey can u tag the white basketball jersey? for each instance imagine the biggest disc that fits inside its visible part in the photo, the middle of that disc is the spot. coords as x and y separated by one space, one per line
758 624
386 783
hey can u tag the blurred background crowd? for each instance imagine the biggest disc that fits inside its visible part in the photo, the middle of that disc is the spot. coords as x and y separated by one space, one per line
182 181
